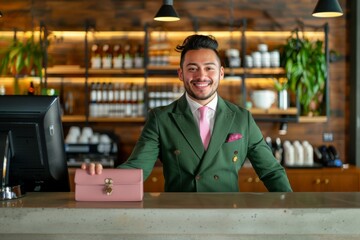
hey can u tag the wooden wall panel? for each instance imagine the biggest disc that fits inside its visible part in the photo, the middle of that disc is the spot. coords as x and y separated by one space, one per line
109 15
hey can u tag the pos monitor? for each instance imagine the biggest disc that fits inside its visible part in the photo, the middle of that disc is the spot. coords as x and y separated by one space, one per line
32 153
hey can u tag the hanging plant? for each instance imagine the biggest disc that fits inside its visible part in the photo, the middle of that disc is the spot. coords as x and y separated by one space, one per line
306 70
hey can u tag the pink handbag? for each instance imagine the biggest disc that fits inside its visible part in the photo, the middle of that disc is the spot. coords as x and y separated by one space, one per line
110 185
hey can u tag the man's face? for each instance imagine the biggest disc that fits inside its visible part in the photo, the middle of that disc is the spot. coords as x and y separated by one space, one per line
201 73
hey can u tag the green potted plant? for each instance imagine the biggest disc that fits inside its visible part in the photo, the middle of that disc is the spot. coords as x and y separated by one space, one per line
306 70
22 58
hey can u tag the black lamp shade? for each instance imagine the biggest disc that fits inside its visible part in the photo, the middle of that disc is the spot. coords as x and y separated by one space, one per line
327 8
167 13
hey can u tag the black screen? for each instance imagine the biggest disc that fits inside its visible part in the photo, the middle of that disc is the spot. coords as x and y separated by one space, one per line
38 161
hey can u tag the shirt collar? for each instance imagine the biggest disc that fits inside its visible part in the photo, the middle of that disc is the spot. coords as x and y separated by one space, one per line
195 105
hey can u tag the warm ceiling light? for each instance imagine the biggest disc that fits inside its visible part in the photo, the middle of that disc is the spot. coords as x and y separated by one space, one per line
327 8
167 12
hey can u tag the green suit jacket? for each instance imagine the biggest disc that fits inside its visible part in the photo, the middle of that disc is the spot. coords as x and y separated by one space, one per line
172 135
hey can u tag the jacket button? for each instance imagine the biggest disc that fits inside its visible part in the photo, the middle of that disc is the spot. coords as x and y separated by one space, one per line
197 177
216 177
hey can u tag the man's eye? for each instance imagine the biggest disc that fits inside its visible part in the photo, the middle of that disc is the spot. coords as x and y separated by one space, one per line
192 69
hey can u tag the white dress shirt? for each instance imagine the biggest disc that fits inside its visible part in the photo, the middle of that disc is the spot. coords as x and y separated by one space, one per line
194 106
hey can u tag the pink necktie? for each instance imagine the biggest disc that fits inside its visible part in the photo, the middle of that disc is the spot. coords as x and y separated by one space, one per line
204 126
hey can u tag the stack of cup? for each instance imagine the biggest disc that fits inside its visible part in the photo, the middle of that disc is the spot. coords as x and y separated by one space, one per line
275 58
73 135
249 61
256 57
265 55
86 135
233 56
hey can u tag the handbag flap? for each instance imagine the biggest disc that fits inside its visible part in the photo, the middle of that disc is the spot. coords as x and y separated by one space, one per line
118 176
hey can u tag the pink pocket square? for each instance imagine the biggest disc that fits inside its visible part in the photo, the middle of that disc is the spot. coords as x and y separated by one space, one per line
233 137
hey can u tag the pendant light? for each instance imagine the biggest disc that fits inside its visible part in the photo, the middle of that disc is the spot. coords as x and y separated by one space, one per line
327 8
167 12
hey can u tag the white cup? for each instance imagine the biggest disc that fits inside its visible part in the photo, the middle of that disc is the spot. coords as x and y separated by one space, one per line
265 59
95 139
232 52
87 132
83 139
71 139
262 47
104 139
249 61
256 56
74 131
275 58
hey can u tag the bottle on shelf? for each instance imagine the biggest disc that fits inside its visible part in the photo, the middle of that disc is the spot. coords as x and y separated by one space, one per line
93 100
95 56
111 100
298 153
122 100
139 57
104 100
98 109
127 102
308 153
128 57
278 150
31 89
118 56
2 90
140 100
289 155
106 56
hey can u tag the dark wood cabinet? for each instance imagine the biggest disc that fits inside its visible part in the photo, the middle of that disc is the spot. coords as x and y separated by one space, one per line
301 180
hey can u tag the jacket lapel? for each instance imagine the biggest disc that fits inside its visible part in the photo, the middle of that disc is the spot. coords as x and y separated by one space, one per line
188 127
223 121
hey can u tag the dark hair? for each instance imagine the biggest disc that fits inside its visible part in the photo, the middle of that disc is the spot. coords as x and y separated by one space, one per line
196 42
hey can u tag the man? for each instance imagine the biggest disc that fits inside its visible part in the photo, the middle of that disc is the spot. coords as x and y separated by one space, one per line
173 133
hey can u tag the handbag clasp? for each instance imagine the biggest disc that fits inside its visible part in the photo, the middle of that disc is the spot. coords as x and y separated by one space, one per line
108 186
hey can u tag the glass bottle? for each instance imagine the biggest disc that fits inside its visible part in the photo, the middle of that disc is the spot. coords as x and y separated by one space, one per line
31 89
95 56
139 57
106 57
118 56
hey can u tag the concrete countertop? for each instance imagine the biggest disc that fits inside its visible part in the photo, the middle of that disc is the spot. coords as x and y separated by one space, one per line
184 216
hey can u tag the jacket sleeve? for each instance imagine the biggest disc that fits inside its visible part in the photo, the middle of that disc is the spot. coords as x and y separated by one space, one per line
146 150
265 164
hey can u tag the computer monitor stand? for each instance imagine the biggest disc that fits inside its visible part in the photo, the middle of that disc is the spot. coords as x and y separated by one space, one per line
7 192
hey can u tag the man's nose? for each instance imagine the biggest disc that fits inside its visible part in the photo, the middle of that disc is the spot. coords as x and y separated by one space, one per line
201 74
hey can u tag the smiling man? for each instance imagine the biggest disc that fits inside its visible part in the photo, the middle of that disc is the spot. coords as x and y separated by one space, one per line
202 139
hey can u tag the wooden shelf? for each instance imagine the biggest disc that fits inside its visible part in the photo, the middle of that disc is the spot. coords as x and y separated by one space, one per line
68 70
82 118
165 67
117 119
274 111
73 118
257 71
117 71
318 119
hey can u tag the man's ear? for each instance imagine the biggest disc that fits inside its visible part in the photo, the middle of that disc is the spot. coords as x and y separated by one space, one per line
222 73
180 74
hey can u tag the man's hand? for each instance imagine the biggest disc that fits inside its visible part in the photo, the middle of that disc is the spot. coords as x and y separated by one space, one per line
92 168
